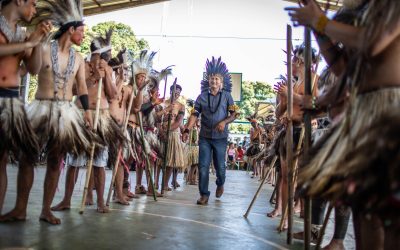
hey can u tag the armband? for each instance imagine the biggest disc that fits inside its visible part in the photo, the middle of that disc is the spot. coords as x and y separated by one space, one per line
84 101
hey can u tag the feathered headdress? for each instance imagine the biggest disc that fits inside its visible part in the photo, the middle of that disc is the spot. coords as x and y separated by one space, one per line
216 67
144 63
156 77
62 13
298 52
253 118
101 44
121 59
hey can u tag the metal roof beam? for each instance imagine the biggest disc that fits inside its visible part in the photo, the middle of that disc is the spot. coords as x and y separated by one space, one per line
109 7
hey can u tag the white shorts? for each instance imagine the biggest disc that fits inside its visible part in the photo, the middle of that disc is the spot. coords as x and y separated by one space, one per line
80 161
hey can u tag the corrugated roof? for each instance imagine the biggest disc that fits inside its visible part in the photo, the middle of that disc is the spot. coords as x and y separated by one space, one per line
93 7
333 4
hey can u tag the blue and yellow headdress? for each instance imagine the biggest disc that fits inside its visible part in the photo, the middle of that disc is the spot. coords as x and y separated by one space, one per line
216 67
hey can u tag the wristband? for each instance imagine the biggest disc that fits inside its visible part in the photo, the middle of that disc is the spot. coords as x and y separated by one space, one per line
321 24
84 101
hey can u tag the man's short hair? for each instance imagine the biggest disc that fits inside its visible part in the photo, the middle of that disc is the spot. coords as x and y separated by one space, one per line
177 87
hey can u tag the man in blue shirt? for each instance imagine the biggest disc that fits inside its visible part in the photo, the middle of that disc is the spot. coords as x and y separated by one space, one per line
217 110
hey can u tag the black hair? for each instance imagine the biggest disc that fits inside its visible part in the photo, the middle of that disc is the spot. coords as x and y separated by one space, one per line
6 2
177 87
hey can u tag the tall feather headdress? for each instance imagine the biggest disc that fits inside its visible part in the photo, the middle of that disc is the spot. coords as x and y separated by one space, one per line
121 59
144 63
101 42
156 77
216 67
298 52
62 13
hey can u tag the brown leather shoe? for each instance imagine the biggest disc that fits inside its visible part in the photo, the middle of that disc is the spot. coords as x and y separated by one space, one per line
203 200
219 192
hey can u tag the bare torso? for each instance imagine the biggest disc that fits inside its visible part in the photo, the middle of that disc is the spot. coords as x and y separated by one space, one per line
9 68
118 106
92 88
46 76
384 70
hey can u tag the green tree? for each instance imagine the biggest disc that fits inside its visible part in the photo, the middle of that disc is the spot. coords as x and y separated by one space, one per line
252 93
123 37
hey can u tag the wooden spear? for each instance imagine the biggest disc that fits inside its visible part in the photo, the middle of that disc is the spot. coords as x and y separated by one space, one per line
307 127
93 147
259 188
289 134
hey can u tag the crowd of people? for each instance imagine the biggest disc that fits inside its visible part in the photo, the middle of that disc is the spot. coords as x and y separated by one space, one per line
352 164
99 112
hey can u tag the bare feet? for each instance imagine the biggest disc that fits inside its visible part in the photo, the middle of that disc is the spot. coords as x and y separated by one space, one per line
334 245
61 206
13 215
102 209
284 227
121 201
131 195
167 189
149 193
176 184
140 190
89 201
49 218
274 213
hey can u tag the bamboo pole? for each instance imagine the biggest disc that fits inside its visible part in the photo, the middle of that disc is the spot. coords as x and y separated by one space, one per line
93 147
289 135
294 177
307 139
259 189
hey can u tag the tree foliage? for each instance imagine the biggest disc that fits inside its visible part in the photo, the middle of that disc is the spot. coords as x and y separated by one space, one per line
123 37
252 93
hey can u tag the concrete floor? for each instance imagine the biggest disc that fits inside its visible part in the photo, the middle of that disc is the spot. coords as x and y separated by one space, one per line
173 222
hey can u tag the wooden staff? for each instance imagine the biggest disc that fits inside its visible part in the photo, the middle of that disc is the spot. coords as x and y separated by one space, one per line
146 157
164 168
289 134
296 159
307 139
93 147
259 189
124 129
322 231
293 180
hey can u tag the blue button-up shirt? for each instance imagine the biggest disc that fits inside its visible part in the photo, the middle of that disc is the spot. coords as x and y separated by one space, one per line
211 114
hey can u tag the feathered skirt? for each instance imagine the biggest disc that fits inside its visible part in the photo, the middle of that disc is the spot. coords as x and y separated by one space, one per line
358 160
111 134
60 127
16 133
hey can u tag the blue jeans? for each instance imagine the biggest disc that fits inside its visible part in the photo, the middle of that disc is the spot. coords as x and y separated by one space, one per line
215 148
